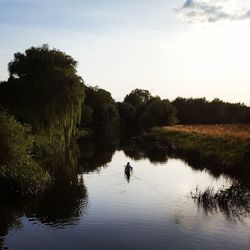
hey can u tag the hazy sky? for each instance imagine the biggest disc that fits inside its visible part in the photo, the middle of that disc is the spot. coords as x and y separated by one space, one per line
191 48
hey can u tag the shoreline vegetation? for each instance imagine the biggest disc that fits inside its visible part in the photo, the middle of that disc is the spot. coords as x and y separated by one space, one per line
19 172
220 148
46 111
233 202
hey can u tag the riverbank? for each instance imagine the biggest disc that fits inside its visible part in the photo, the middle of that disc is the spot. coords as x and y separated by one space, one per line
215 147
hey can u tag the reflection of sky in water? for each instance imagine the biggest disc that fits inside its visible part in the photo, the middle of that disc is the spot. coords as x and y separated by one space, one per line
153 211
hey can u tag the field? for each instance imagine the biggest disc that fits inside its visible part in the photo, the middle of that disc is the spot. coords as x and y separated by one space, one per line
237 131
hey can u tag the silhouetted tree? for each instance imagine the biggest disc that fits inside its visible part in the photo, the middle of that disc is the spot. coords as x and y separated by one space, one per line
146 111
200 111
44 90
157 113
127 116
138 97
102 112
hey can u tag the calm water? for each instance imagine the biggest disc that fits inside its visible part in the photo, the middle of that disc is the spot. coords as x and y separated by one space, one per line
103 210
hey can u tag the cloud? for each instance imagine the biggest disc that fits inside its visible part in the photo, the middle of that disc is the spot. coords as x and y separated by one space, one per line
213 11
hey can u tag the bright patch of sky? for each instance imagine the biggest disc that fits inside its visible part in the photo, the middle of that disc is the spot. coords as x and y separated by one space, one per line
191 48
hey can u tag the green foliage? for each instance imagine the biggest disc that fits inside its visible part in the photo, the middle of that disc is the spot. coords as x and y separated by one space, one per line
17 168
87 117
141 111
200 111
48 150
41 60
15 142
157 113
222 153
43 90
127 116
138 97
51 92
101 112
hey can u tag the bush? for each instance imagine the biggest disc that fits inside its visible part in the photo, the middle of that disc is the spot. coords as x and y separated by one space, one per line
18 170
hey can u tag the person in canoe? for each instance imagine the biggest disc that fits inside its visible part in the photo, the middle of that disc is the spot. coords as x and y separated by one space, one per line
128 169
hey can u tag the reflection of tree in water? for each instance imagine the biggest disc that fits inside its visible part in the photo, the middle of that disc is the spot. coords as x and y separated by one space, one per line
233 202
137 151
159 153
64 163
96 153
66 200
133 151
62 204
10 212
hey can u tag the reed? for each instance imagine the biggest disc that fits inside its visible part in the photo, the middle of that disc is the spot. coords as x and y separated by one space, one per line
233 202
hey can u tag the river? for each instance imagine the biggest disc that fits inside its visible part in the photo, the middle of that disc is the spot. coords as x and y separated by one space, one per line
102 209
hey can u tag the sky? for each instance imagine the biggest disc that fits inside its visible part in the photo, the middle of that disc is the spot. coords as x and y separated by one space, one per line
188 48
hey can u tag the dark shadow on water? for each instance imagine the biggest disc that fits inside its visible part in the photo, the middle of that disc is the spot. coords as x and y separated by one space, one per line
61 205
136 151
96 153
10 212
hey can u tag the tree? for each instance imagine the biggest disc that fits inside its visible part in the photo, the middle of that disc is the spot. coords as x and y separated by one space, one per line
104 114
141 111
200 111
138 97
157 113
127 116
44 90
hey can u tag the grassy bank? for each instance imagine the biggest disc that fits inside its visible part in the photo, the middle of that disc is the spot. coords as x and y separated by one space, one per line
224 147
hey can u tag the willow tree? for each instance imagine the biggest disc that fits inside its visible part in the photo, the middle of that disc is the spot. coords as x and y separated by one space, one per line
44 90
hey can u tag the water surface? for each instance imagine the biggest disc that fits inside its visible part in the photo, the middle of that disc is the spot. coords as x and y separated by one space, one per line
105 210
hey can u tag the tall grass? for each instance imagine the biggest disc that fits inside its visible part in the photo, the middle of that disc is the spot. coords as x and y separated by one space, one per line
234 131
221 152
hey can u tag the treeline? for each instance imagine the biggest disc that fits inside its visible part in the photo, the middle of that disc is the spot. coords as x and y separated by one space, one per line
45 107
201 111
141 111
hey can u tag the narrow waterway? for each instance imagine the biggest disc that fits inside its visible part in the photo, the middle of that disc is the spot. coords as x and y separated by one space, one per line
105 210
